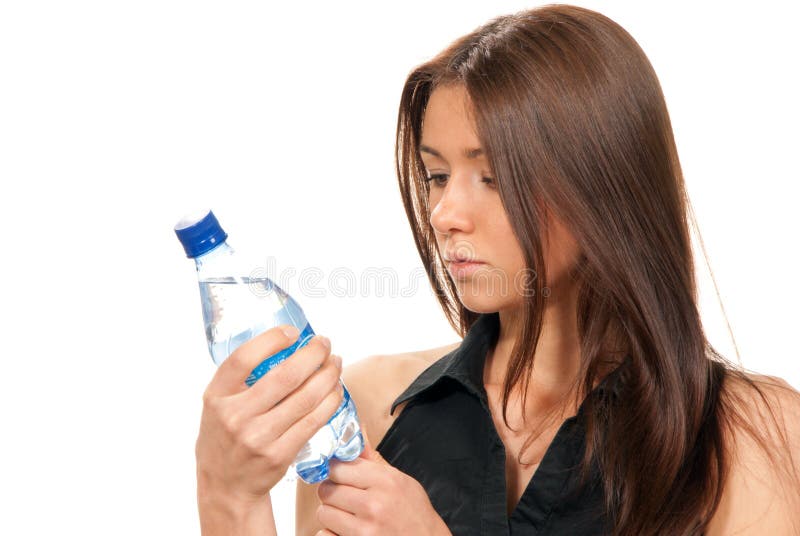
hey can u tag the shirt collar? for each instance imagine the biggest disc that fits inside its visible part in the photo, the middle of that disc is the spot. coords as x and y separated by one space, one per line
465 365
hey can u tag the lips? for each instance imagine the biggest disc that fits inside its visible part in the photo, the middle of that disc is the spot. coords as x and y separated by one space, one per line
464 261
464 269
457 258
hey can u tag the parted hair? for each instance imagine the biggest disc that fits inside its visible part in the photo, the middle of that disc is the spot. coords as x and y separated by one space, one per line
573 121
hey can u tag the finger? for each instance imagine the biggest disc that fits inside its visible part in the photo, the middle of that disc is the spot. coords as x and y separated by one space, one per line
299 433
274 422
359 473
344 497
325 532
369 451
229 377
337 521
291 376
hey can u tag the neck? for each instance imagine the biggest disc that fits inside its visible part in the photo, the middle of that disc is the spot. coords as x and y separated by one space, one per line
557 357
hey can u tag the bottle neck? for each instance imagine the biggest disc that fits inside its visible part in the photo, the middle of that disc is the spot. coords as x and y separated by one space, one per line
220 255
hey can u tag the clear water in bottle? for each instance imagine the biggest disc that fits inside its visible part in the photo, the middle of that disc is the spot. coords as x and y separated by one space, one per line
236 308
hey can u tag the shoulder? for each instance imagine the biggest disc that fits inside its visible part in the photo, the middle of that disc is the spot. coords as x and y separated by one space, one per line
373 383
761 494
376 381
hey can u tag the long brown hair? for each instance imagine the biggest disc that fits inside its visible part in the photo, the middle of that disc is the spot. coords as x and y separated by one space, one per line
573 121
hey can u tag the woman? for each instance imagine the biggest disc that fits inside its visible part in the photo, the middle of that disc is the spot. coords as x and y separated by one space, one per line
584 398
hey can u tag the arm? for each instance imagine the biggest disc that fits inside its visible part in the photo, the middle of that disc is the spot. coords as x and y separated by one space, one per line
249 436
368 408
762 492
220 515
307 502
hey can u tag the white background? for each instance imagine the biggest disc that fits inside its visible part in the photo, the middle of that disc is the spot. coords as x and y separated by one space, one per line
118 117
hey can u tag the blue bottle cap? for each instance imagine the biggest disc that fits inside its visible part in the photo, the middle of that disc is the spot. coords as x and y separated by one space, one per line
199 233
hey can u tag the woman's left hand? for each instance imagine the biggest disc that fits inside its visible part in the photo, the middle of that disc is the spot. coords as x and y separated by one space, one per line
369 496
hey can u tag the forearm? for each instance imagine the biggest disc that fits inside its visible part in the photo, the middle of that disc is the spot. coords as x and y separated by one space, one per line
220 515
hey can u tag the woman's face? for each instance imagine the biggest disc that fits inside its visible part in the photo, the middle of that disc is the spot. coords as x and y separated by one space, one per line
468 217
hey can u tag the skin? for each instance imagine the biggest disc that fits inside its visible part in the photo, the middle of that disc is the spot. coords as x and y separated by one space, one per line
248 439
468 219
468 216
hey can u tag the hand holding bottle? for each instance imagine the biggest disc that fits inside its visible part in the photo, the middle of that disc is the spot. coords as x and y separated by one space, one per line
238 307
249 436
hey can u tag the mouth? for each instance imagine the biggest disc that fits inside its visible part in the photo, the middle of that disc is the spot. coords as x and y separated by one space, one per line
464 268
461 259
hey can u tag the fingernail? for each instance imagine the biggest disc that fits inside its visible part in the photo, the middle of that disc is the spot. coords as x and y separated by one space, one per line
291 331
325 340
338 362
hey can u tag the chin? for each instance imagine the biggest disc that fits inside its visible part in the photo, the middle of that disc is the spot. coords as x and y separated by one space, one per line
488 290
484 303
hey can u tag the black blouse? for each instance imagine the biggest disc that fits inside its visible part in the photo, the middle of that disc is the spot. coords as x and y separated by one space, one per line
445 438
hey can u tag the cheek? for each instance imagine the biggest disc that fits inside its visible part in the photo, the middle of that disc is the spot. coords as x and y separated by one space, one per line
509 271
507 247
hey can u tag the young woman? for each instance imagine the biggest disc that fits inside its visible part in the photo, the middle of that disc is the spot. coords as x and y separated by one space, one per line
540 176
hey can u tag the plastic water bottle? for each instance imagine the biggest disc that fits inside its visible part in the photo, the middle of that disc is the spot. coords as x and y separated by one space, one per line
236 308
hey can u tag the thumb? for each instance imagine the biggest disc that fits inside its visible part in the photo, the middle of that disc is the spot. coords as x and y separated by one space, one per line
369 451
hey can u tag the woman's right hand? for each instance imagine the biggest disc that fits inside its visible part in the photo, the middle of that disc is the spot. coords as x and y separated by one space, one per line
249 436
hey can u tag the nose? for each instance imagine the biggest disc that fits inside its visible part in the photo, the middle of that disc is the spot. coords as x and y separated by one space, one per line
453 210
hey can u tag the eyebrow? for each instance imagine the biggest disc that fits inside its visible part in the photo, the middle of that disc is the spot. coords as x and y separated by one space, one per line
469 153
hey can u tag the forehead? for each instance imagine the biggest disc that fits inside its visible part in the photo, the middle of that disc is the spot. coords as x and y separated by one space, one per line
448 126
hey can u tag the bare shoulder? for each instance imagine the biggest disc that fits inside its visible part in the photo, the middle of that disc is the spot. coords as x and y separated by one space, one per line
376 381
762 491
373 383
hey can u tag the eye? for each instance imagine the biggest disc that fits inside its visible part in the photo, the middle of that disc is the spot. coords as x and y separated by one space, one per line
439 178
436 179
